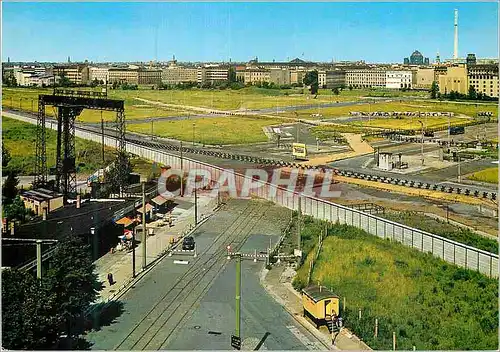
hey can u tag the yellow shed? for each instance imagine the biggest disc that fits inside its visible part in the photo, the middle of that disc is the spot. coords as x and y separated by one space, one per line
320 304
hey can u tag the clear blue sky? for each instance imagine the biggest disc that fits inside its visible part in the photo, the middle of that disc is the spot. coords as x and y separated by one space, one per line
375 32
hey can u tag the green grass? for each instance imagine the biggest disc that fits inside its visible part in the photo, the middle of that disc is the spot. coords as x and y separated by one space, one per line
216 130
408 123
20 138
489 175
427 302
443 229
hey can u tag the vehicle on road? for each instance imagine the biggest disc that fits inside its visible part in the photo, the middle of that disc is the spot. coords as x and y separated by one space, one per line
188 243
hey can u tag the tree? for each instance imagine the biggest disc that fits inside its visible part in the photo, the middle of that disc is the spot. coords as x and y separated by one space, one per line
9 188
73 283
434 90
232 74
16 210
30 320
64 81
311 79
5 156
335 91
350 87
472 93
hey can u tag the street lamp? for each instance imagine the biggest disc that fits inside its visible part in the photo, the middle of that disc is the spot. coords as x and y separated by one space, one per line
193 132
422 150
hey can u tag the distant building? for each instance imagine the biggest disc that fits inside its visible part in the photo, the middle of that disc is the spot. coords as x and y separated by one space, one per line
134 75
279 76
254 75
76 73
335 79
212 74
416 58
99 73
366 78
398 79
471 59
297 76
178 74
484 79
322 79
455 79
424 78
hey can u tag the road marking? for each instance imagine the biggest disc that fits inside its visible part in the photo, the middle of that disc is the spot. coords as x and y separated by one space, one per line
303 338
181 262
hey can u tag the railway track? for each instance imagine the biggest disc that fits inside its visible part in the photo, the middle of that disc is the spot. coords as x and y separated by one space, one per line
130 138
154 330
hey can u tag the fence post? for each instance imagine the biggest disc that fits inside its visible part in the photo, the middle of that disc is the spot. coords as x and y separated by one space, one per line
343 306
394 341
376 327
359 314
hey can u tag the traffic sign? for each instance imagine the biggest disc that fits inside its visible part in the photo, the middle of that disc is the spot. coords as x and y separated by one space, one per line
236 342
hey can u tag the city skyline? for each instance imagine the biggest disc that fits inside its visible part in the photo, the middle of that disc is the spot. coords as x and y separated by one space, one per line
386 32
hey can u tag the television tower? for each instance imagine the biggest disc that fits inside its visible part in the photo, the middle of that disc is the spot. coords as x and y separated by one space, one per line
455 45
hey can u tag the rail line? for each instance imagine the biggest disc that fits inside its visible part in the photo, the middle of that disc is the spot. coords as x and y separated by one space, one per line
471 192
143 339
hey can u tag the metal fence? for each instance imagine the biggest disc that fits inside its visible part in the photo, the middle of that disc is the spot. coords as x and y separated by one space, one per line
446 249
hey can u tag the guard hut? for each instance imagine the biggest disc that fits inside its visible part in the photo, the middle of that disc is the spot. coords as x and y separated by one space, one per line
320 305
385 161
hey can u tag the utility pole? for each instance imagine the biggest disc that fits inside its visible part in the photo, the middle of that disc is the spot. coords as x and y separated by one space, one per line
238 294
182 174
102 137
39 259
144 232
195 206
133 252
152 121
422 142
299 220
193 132
459 177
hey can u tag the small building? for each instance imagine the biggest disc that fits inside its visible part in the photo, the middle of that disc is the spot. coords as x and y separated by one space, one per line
320 304
40 199
149 212
385 161
161 203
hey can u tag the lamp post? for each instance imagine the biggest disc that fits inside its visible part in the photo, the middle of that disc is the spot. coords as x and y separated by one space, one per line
193 132
422 143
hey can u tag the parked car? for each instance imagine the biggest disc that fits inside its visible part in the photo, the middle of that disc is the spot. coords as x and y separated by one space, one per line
188 243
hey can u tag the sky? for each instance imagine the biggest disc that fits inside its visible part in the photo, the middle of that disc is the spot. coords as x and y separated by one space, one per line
240 31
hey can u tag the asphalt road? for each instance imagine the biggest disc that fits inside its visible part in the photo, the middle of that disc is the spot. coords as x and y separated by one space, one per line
191 307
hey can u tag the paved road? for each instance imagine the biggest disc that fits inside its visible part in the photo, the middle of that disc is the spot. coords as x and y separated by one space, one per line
192 306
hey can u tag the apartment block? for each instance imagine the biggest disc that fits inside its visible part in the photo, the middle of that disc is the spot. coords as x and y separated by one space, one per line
279 76
335 79
398 79
123 75
424 78
212 74
366 78
177 74
297 76
99 74
76 73
254 75
455 79
149 76
484 79
322 79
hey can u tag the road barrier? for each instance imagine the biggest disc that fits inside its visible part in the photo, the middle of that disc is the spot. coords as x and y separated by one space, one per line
446 249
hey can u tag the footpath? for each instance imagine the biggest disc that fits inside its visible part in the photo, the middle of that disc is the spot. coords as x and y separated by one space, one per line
278 283
119 264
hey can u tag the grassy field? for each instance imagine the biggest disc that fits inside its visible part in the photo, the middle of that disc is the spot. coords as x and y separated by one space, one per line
409 123
427 302
443 229
134 109
489 175
333 112
215 130
20 138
